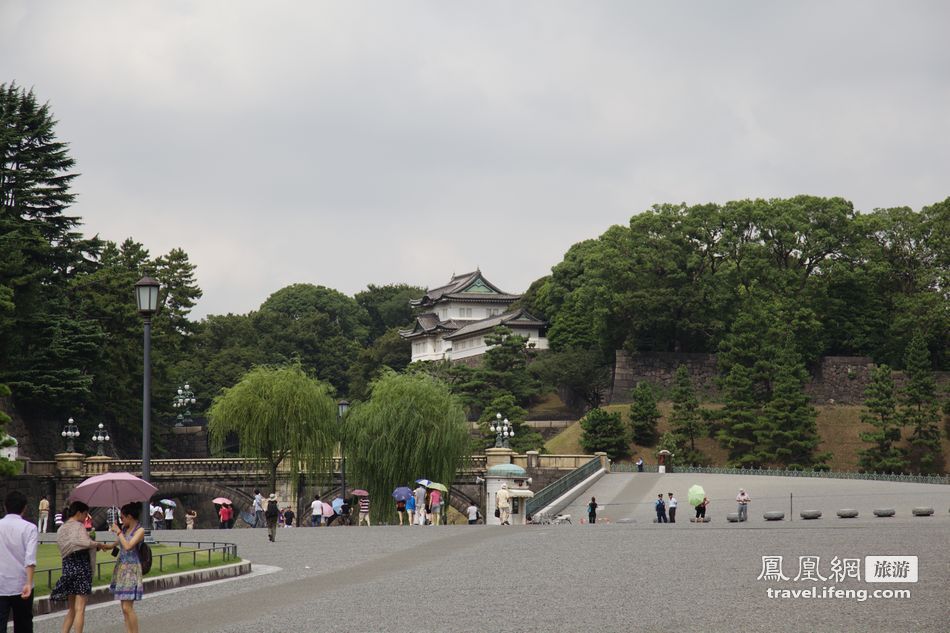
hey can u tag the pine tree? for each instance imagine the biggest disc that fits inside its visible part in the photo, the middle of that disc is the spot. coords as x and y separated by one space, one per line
686 419
604 431
920 409
789 435
739 418
644 415
880 411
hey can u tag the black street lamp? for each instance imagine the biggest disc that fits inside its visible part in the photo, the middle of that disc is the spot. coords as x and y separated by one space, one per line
146 297
70 432
100 436
342 407
503 430
183 400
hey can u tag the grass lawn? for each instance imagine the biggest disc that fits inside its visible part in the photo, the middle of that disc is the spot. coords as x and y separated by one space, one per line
47 557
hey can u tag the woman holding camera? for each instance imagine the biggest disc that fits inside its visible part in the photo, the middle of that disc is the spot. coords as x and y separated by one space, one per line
127 577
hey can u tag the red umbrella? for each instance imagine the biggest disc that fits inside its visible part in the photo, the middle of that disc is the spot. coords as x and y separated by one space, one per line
359 492
112 490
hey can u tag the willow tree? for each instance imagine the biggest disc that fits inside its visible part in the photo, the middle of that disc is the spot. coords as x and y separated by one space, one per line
277 413
411 427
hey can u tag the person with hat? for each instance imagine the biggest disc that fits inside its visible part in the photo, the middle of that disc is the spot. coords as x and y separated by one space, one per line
672 505
660 506
503 503
743 499
271 516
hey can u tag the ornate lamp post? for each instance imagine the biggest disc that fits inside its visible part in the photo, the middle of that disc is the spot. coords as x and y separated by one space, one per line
342 407
70 432
183 400
503 430
146 297
100 436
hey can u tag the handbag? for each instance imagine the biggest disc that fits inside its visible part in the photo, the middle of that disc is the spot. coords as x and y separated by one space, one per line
497 513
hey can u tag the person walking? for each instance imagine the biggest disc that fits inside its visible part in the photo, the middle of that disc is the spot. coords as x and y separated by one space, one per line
435 502
316 511
401 510
411 509
472 512
701 509
364 511
420 496
78 553
169 517
639 464
660 509
672 504
157 515
18 544
190 517
43 522
258 509
224 516
272 515
503 503
592 510
743 500
126 583
289 517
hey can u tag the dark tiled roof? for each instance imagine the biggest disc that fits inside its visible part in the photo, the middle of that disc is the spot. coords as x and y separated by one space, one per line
428 323
458 283
518 317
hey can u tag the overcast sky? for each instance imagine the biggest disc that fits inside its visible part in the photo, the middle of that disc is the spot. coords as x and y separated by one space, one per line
349 143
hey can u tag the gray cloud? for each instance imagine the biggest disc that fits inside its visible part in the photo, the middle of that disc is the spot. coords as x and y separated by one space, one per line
353 143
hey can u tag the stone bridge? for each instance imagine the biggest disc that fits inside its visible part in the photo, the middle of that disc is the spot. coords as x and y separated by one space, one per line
193 483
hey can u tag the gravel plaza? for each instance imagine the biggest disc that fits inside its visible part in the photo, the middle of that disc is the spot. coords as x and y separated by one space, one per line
624 574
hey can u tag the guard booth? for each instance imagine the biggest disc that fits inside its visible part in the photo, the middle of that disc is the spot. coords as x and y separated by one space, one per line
664 460
518 481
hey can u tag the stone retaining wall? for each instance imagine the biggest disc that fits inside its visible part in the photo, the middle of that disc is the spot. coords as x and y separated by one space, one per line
837 379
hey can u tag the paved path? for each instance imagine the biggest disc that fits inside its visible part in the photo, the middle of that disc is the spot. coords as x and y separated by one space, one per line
608 577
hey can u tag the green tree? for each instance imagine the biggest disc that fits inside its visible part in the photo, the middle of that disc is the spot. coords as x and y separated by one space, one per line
525 438
276 413
388 306
739 420
789 435
390 350
7 467
880 411
686 419
920 408
581 374
644 415
411 427
604 431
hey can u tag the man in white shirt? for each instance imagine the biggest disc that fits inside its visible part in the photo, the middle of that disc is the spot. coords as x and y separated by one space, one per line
259 510
316 511
157 516
169 517
743 499
472 512
672 507
18 543
420 497
503 503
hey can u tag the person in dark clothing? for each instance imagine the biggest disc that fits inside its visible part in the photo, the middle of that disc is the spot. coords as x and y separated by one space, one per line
592 510
661 509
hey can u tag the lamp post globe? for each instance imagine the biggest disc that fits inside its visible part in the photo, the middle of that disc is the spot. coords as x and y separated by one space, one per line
70 432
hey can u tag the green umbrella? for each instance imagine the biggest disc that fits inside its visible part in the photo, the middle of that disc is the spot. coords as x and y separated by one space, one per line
696 494
438 487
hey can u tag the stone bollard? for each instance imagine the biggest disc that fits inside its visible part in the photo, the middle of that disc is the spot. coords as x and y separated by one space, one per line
884 512
847 513
774 515
922 512
810 514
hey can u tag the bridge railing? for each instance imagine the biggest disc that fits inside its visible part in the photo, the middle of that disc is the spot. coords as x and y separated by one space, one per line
549 493
781 472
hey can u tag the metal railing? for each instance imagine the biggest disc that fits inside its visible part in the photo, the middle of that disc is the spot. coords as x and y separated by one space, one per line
778 472
557 488
201 548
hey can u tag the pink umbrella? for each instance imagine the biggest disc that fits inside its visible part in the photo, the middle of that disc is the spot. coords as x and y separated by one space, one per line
328 510
221 500
112 490
359 492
